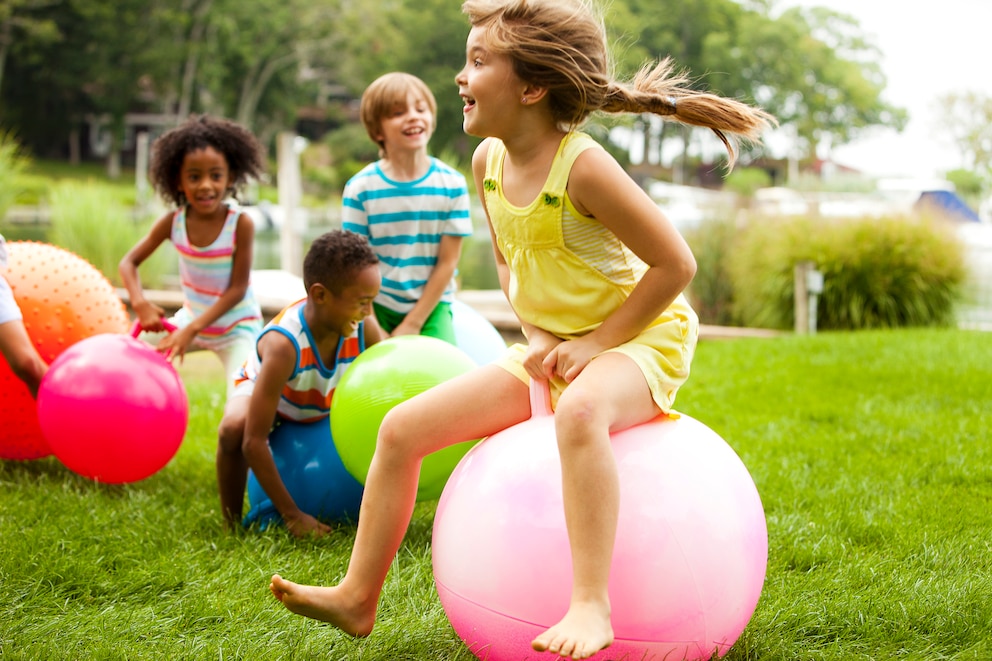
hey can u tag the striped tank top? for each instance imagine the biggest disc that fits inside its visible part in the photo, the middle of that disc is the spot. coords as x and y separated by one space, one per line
205 273
307 395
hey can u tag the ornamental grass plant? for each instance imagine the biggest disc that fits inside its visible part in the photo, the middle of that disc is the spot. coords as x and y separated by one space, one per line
89 219
888 272
13 162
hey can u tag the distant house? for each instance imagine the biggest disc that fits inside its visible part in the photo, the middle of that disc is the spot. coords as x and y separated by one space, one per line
827 169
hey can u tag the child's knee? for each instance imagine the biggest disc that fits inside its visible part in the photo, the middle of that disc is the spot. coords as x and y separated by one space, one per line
389 430
230 433
394 431
578 405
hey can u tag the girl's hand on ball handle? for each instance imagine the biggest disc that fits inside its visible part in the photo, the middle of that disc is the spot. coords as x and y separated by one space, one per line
168 325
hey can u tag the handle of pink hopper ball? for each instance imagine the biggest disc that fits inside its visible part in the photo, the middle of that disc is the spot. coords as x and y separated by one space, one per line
540 398
168 325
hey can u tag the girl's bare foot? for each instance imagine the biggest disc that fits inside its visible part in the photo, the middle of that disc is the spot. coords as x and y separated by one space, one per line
584 630
332 605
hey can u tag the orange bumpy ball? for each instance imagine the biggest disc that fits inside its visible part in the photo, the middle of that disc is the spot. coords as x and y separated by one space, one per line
63 299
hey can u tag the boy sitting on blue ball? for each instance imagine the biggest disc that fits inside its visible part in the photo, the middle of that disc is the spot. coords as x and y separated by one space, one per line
299 358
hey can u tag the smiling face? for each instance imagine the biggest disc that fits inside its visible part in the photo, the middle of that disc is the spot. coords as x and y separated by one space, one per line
489 87
342 312
407 126
205 180
398 112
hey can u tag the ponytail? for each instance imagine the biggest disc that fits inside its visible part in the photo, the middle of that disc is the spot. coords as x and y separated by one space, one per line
662 91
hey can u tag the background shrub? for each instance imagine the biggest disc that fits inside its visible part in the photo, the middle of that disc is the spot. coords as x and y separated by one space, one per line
12 164
760 268
352 149
745 181
477 266
878 272
711 292
90 220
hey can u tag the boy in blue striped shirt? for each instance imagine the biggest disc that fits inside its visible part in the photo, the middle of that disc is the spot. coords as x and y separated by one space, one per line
413 208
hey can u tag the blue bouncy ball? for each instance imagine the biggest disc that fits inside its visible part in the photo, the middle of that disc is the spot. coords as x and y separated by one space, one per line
475 335
311 469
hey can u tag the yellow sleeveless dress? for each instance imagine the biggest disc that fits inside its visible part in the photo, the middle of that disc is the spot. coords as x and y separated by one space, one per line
568 273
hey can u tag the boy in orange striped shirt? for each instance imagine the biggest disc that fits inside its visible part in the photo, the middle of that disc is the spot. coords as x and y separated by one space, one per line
298 361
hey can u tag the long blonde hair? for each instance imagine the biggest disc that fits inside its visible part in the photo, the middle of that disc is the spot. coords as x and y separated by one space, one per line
560 45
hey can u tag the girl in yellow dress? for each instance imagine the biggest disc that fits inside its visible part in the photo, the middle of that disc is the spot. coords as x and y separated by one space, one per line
595 273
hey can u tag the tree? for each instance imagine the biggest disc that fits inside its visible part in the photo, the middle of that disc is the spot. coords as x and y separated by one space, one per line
811 68
97 68
967 118
118 42
18 19
263 60
680 30
12 163
837 95
435 52
260 61
193 38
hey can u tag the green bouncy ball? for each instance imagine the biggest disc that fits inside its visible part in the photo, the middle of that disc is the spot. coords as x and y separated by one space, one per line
381 377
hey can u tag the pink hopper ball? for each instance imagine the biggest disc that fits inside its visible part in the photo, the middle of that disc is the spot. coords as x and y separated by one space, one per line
113 409
63 299
689 560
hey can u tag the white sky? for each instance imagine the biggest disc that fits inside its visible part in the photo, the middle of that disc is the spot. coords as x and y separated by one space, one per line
928 50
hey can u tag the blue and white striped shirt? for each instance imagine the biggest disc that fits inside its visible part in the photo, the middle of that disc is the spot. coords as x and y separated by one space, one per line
404 222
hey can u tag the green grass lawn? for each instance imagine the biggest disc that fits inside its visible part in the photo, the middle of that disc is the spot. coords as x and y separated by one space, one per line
870 450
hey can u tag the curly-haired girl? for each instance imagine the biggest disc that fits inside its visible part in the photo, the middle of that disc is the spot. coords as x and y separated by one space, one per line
198 166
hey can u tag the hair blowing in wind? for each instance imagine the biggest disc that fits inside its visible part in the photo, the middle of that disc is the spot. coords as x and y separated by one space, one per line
561 45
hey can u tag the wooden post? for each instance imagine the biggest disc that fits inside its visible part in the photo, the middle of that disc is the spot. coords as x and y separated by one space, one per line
808 285
290 195
800 304
141 169
814 287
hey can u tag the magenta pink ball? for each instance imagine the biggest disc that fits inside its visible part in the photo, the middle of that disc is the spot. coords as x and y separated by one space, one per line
113 409
690 555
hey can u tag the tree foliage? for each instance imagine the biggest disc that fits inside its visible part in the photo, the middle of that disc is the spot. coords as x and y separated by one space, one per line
262 61
967 118
20 23
12 163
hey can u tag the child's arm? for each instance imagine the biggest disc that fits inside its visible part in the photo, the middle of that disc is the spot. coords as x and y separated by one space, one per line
444 270
244 241
149 315
21 355
278 360
601 189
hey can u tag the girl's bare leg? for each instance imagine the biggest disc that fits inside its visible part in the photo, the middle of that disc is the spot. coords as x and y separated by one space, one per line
473 405
609 394
232 467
